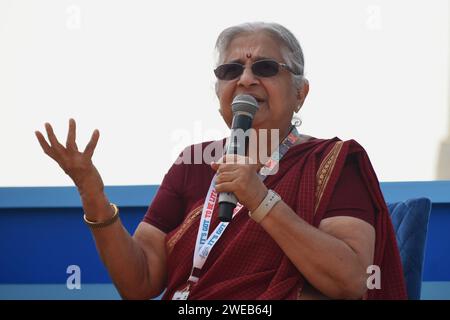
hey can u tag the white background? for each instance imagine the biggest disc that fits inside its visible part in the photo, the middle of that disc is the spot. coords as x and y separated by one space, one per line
141 72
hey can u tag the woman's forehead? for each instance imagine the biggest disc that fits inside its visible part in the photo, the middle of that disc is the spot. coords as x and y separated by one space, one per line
254 47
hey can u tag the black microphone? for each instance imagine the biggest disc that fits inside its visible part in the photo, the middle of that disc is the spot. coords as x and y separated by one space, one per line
244 107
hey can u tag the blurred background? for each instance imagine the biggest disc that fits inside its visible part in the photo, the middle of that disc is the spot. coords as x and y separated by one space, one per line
141 72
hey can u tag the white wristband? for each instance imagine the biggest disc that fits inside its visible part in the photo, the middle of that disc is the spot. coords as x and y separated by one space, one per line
265 206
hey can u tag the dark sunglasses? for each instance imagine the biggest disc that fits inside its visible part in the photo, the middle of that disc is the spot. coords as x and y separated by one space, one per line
262 68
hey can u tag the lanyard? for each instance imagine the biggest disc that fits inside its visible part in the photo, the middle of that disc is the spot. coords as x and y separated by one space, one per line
204 244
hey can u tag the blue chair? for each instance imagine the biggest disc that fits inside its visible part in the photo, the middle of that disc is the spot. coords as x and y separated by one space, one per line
410 220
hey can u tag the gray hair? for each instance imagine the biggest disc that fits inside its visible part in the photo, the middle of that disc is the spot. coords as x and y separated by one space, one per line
291 49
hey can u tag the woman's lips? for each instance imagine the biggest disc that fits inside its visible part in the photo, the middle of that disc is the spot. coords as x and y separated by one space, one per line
258 98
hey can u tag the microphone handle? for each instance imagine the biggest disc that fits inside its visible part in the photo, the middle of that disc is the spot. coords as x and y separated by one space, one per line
227 200
227 203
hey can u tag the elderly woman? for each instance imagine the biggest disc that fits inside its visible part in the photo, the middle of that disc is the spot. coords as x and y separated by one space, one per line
310 231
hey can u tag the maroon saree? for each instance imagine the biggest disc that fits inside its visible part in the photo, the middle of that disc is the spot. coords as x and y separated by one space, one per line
247 264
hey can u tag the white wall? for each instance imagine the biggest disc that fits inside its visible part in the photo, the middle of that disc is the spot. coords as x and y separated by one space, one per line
377 69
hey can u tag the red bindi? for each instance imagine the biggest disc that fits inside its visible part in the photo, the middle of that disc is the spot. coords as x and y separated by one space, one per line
248 55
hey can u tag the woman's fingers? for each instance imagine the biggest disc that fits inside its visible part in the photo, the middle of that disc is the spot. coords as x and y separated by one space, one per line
44 145
226 167
71 136
233 159
55 147
232 162
228 163
90 147
225 187
52 138
227 176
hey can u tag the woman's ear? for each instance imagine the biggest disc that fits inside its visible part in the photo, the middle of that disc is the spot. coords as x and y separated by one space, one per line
302 93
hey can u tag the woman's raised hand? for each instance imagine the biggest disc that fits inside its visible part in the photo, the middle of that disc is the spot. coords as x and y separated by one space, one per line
77 165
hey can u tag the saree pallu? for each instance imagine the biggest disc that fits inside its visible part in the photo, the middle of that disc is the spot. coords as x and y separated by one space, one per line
246 263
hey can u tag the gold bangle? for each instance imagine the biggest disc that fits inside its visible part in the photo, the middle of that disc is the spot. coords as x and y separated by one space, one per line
106 223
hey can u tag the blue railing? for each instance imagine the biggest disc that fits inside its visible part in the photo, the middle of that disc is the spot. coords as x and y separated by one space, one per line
42 233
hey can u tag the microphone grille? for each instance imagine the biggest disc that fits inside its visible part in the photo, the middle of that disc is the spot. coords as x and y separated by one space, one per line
246 103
